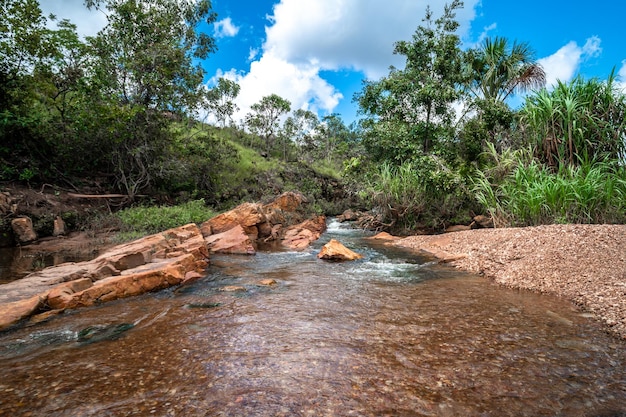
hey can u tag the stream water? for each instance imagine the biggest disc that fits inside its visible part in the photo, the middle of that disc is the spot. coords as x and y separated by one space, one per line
389 335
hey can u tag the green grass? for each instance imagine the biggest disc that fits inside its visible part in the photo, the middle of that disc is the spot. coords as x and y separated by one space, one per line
531 194
141 220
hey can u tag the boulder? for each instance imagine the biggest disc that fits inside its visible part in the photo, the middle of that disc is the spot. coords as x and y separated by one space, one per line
5 204
335 251
384 236
232 241
245 215
300 236
288 202
23 230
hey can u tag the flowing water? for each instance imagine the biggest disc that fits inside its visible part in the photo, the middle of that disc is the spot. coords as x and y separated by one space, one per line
389 335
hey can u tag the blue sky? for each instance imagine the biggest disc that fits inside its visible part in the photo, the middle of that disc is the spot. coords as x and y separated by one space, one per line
315 53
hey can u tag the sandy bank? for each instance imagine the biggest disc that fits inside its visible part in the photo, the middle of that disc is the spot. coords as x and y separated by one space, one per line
583 263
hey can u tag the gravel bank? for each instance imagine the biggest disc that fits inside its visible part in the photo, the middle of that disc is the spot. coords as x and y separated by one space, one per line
583 263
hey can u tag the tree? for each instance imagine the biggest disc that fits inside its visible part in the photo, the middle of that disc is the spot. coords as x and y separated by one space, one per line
145 54
300 128
499 70
34 87
264 120
220 100
143 74
416 101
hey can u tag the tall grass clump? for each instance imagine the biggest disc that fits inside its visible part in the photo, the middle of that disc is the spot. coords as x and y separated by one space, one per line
533 194
583 120
138 221
422 193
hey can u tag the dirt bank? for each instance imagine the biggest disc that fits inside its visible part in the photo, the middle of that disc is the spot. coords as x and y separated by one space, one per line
583 263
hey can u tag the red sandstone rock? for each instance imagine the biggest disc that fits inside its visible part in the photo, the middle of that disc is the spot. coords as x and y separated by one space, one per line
151 263
245 215
335 251
233 241
384 236
300 236
457 228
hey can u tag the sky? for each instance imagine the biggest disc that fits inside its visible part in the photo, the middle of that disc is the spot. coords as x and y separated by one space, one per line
316 53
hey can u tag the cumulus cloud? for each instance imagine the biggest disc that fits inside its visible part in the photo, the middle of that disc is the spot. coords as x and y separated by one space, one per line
564 63
305 38
225 28
300 84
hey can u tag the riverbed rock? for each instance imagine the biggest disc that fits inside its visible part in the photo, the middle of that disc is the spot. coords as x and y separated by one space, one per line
384 236
335 251
246 215
457 228
300 236
23 230
232 241
148 264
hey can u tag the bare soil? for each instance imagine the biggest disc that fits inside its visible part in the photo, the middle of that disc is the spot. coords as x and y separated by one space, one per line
583 263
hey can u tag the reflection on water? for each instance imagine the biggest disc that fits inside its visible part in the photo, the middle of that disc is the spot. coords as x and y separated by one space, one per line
387 335
15 263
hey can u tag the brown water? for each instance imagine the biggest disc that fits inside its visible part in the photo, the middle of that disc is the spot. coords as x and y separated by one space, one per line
385 336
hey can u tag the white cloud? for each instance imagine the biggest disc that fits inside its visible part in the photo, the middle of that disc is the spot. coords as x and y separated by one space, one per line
88 22
564 63
300 84
225 28
305 38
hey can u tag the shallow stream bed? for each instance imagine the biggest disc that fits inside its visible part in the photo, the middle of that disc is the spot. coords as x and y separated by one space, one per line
391 334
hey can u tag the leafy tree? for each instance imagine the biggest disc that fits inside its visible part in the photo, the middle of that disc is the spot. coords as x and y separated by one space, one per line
416 101
143 75
220 100
498 69
299 128
145 54
264 120
334 137
30 56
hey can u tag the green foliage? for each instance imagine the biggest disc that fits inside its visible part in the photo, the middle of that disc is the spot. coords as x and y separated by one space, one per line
264 120
220 100
497 69
411 109
421 193
148 220
519 191
577 122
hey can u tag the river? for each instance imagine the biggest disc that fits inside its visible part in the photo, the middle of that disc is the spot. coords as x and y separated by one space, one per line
389 335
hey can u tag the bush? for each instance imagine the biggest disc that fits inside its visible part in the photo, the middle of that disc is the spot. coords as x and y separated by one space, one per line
423 193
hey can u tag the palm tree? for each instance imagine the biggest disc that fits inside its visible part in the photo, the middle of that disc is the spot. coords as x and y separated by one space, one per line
498 70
